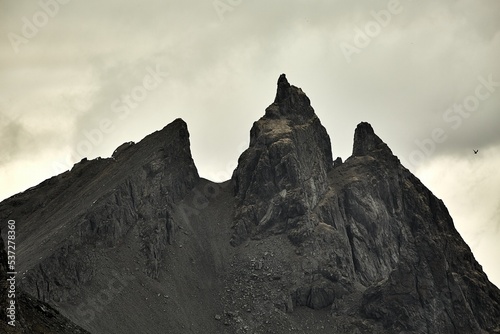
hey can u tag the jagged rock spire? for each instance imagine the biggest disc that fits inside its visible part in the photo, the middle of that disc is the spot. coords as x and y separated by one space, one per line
283 89
286 165
290 101
366 141
365 241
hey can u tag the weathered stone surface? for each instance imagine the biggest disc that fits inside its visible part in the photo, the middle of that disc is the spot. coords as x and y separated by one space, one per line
436 285
416 281
367 143
337 162
372 233
103 201
31 316
283 174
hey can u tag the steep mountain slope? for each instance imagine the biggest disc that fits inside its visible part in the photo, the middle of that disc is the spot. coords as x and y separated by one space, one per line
138 243
28 315
373 233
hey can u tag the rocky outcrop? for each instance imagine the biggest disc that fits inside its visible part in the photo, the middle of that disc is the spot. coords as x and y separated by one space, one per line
379 245
416 280
281 177
437 284
99 203
30 316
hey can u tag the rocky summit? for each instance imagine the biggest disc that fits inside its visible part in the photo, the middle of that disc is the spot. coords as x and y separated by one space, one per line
294 242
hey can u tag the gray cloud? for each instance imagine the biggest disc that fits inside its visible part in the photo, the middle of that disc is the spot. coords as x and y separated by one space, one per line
17 140
10 137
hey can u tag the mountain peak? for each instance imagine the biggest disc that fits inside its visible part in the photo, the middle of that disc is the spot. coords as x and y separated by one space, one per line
287 163
290 102
366 241
283 89
366 142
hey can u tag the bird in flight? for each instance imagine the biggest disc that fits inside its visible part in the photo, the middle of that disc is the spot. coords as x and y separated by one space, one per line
475 151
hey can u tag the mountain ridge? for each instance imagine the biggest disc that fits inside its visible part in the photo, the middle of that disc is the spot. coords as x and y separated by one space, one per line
293 242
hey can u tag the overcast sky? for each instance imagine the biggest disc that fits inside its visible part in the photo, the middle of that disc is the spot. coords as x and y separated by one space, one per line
78 78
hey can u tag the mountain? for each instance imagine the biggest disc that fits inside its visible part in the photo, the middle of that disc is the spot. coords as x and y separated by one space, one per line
294 242
22 313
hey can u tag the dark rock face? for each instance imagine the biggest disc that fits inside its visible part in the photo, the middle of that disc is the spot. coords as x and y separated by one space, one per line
100 201
283 174
366 142
32 316
294 242
337 162
372 232
425 270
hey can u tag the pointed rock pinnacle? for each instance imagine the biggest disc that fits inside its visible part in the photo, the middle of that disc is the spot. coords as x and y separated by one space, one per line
366 141
283 89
